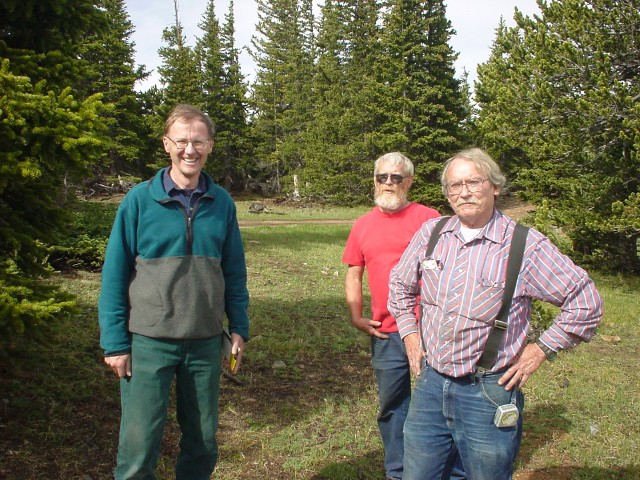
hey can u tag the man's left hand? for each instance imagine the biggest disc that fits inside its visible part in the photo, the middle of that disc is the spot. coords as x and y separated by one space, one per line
526 364
237 349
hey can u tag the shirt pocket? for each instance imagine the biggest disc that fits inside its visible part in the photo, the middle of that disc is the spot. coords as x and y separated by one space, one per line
486 299
430 276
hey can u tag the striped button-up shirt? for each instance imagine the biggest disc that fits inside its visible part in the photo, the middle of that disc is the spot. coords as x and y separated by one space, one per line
461 286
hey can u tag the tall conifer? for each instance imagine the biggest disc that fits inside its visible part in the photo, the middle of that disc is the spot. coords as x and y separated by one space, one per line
224 94
338 154
559 100
419 104
110 54
235 149
49 133
282 68
180 74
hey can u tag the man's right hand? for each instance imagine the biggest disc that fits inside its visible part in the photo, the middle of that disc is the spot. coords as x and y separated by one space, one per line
120 364
368 326
414 352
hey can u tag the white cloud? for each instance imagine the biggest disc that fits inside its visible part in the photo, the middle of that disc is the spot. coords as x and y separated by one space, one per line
475 22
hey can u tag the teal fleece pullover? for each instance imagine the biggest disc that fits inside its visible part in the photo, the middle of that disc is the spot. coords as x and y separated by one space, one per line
168 275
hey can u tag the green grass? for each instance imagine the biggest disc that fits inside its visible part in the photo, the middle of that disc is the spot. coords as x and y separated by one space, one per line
583 409
314 418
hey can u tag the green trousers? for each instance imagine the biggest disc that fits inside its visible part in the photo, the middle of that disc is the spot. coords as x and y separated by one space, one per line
196 366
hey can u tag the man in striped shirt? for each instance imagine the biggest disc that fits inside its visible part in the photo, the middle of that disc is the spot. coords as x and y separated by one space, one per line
455 407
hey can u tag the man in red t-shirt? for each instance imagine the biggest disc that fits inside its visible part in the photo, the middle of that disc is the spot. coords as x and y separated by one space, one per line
377 241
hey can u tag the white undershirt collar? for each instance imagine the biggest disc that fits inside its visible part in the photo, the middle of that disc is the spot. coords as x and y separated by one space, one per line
469 233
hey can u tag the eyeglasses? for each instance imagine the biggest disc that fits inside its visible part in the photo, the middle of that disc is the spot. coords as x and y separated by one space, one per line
395 178
183 144
473 186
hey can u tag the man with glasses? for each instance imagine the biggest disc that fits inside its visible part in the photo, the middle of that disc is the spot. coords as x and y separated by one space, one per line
173 268
457 408
376 243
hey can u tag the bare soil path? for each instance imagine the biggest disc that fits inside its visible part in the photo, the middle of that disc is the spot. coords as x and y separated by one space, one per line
511 206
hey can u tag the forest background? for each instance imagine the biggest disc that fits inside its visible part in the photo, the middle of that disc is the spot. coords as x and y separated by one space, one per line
557 105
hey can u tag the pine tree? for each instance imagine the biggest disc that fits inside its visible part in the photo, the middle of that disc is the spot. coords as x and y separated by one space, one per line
233 129
419 102
110 55
39 37
208 52
494 97
180 74
385 82
298 92
48 133
225 92
563 89
282 63
338 153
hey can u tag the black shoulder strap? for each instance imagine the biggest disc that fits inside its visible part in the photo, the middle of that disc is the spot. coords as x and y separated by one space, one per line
435 235
516 252
431 244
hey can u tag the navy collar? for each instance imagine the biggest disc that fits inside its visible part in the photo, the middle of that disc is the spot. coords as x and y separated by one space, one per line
170 186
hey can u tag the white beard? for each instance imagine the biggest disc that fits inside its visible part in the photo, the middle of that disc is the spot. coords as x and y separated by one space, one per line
391 203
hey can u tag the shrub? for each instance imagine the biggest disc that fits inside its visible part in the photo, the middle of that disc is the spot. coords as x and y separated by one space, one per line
28 308
84 245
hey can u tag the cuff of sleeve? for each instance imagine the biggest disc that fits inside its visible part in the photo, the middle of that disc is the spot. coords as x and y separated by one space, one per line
115 354
407 325
241 328
558 340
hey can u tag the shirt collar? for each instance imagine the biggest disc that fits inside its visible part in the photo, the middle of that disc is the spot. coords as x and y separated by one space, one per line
492 231
169 185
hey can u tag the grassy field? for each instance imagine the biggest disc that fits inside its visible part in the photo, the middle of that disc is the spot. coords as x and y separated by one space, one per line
304 403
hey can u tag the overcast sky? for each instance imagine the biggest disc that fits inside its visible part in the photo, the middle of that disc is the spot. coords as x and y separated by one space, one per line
474 21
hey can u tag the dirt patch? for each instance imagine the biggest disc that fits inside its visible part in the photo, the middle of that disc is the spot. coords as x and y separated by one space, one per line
511 206
514 207
508 204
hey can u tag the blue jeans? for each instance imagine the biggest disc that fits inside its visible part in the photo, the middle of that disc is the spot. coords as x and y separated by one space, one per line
196 366
450 416
391 368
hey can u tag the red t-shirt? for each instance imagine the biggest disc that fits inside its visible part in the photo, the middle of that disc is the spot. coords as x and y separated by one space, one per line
377 241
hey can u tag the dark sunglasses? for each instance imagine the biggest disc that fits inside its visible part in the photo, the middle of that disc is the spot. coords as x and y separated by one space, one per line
395 178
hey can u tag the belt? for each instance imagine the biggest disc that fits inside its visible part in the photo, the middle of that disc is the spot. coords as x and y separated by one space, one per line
473 377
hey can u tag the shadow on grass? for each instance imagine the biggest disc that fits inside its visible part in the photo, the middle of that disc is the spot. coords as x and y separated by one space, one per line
364 467
296 237
59 409
360 469
541 424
